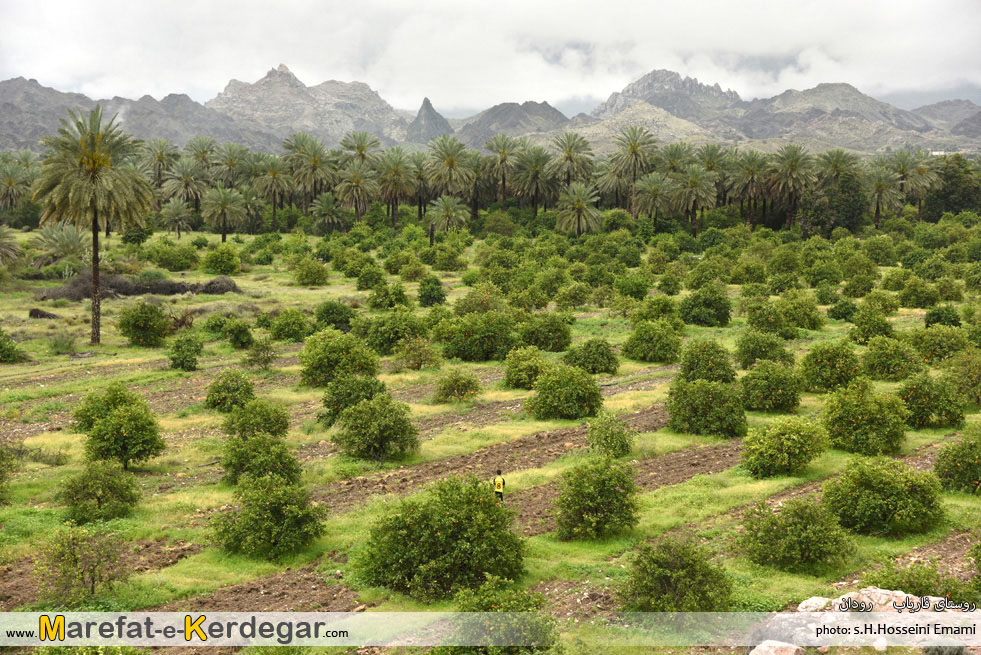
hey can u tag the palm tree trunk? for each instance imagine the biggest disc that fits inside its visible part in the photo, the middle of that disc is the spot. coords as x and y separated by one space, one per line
96 290
419 202
432 234
275 225
107 228
534 205
790 213
878 214
504 198
224 229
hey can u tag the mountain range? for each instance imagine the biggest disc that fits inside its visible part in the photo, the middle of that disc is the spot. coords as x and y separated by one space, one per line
262 114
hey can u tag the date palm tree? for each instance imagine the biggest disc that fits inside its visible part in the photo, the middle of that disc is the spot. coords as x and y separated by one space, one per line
396 179
175 215
327 212
56 242
9 249
360 146
14 185
923 177
505 150
420 181
223 209
202 149
652 194
273 182
885 190
611 180
675 157
447 167
832 164
230 162
750 180
157 156
792 173
577 210
357 187
573 158
84 180
531 177
447 213
633 156
309 163
693 190
184 181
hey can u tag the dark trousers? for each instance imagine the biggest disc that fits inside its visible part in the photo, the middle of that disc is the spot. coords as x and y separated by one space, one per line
500 495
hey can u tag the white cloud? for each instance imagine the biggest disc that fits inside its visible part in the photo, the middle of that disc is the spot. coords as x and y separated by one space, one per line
470 55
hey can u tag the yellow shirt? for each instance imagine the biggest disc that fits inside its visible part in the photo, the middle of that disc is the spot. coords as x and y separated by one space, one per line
499 484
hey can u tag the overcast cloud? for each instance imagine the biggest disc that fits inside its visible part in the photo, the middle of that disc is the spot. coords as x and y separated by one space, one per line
469 55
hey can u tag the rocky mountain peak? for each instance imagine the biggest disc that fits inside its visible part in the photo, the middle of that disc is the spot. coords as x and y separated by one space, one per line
427 125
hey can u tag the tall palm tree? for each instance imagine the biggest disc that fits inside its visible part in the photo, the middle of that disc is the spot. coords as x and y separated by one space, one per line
420 181
327 212
675 157
611 180
717 160
531 177
202 150
447 213
832 164
635 150
184 180
652 194
158 156
506 150
309 163
223 209
885 191
573 158
793 172
923 177
360 146
357 187
254 205
84 181
273 181
749 183
396 179
9 249
230 161
447 167
14 185
693 190
577 210
175 214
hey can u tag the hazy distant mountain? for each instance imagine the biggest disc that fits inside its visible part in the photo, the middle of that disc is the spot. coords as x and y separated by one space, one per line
261 114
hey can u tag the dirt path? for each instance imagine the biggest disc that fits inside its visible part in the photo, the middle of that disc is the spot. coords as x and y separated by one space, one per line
532 451
18 586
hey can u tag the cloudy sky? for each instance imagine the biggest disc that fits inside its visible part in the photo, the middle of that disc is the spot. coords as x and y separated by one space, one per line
467 54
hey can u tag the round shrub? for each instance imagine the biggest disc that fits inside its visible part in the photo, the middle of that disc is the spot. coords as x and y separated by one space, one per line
669 285
477 337
184 352
704 407
290 325
633 286
261 354
957 466
384 332
215 324
415 353
869 323
931 403
334 314
964 372
483 298
96 406
610 435
596 500
431 292
572 296
229 390
129 433
658 307
859 420
101 492
882 301
377 428
256 455
942 315
890 359
800 310
771 387
497 608
594 356
565 392
276 519
858 285
882 496
783 447
308 272
238 333
707 306
937 343
347 391
370 277
706 359
753 346
826 294
257 416
223 260
329 354
550 332
803 533
455 386
829 365
653 341
918 293
763 316
387 296
675 575
452 539
522 367
145 325
9 352
843 310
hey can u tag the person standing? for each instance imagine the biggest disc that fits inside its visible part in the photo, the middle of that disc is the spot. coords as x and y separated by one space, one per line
499 486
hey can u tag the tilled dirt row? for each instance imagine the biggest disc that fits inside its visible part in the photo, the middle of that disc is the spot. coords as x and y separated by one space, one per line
18 586
532 451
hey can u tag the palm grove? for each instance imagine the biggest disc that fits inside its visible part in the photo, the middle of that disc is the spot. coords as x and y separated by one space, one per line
93 177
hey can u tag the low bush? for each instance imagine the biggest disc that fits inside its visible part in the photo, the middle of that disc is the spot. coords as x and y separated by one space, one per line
594 356
942 315
799 309
9 352
964 372
78 564
937 343
843 310
548 331
919 579
329 354
707 306
257 416
763 316
654 308
633 286
958 465
334 314
477 337
860 420
261 355
129 433
431 292
869 323
653 341
101 492
783 447
184 351
771 387
882 496
573 296
276 519
256 455
229 390
931 402
610 435
890 359
145 325
451 539
564 392
383 333
497 608
675 575
291 325
415 353
918 293
308 272
882 301
223 260
388 296
596 500
522 366
238 333
703 407
347 391
753 346
706 359
455 386
483 298
377 428
829 365
857 286
803 533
